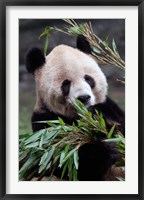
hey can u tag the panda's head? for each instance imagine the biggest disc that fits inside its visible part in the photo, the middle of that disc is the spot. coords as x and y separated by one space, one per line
65 75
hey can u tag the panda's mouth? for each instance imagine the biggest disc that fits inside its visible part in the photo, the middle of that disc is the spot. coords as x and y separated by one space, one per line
85 99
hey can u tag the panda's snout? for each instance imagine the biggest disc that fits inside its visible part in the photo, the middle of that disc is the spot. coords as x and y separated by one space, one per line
84 98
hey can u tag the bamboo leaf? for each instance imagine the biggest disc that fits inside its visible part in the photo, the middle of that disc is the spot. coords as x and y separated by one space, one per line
47 31
67 156
64 169
61 122
111 132
26 165
46 45
97 51
62 156
115 47
23 154
34 137
41 140
76 159
74 174
102 121
47 159
70 171
106 41
49 165
51 134
43 158
66 148
32 145
112 140
53 123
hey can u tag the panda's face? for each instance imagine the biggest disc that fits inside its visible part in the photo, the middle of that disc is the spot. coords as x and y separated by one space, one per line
79 87
67 75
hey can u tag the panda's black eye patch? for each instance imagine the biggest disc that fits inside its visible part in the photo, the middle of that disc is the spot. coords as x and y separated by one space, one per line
89 80
66 87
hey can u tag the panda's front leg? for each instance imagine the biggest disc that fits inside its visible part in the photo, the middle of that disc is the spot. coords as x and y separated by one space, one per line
95 160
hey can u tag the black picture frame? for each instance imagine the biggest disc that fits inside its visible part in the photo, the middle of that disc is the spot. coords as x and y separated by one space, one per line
3 5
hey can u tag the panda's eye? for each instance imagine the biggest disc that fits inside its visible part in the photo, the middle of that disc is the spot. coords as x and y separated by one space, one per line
66 87
89 80
66 82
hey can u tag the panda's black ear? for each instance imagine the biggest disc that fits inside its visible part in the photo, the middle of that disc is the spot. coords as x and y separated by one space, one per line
83 45
34 59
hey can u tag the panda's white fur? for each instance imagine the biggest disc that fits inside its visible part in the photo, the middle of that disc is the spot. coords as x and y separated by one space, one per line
62 63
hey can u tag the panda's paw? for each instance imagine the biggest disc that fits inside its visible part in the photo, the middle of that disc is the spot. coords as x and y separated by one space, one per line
95 160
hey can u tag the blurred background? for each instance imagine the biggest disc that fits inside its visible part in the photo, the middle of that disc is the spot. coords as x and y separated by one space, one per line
30 30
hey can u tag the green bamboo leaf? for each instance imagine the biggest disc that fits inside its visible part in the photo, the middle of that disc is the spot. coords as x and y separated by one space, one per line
62 156
115 47
70 171
67 156
47 31
74 174
96 51
51 134
61 122
106 42
46 45
51 124
112 140
64 169
34 137
26 165
67 129
32 145
96 111
66 148
79 106
43 158
42 34
76 158
46 162
23 154
81 28
111 132
102 121
49 165
41 140
123 141
54 121
121 138
56 158
74 30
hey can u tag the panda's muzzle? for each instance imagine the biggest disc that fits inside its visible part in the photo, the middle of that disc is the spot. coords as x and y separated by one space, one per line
84 98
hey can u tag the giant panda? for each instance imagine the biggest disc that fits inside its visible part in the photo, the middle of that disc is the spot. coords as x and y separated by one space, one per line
67 74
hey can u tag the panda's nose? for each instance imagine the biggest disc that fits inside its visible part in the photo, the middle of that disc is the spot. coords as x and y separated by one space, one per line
84 98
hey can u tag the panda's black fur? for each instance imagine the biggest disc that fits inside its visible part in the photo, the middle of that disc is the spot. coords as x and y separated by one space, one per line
34 59
95 159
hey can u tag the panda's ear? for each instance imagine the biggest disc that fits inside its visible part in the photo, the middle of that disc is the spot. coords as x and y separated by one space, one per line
83 45
34 60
